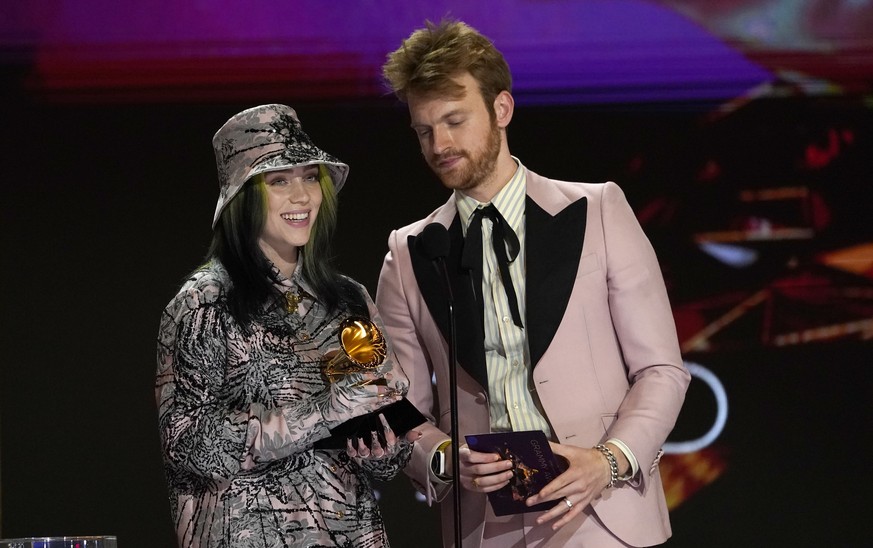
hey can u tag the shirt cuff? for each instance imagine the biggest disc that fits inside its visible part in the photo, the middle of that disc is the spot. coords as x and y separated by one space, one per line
634 465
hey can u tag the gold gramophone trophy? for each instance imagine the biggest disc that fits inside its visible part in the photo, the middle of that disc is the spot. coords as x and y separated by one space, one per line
362 349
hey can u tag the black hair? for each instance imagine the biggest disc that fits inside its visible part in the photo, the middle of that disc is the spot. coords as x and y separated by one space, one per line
235 245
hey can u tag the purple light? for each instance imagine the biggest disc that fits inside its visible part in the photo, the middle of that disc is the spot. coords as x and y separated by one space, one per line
559 51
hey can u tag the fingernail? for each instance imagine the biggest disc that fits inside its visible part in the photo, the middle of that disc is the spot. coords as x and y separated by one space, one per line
363 450
377 447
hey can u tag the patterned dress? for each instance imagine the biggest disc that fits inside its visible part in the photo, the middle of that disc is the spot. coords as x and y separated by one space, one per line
239 411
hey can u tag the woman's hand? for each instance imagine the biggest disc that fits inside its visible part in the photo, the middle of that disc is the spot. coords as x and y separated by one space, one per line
374 448
383 461
361 393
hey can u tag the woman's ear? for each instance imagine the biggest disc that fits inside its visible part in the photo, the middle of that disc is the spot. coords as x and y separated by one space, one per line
504 105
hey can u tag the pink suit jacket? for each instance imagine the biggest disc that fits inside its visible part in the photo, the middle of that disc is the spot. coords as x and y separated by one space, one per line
603 344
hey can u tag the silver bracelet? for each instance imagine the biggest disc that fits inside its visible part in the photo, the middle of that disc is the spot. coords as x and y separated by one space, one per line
613 464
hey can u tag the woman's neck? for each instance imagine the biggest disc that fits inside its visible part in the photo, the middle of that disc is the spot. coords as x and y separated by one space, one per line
286 262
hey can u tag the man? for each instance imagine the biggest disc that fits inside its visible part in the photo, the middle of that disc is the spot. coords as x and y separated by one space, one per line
565 329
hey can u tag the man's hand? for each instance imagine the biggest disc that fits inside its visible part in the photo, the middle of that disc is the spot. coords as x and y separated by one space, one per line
582 482
480 472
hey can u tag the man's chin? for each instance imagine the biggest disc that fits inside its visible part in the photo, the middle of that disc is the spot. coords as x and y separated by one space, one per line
454 183
454 178
446 178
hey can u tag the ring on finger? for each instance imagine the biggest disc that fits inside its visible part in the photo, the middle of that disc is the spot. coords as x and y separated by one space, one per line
476 482
568 503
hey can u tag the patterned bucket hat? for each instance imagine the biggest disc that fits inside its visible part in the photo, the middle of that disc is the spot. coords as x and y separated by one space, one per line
261 139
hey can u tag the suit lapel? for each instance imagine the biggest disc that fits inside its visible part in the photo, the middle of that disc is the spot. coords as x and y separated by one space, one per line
468 325
554 247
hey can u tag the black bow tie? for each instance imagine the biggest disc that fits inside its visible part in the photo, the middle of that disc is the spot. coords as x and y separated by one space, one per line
502 237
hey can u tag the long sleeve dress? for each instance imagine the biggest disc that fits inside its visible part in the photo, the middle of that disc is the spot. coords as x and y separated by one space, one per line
239 412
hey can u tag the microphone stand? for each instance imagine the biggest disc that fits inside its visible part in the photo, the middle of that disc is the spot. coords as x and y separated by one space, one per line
453 403
434 243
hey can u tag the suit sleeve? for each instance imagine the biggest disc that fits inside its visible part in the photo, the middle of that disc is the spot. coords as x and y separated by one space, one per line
643 322
394 297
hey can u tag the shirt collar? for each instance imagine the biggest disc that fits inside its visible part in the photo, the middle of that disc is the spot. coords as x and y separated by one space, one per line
509 201
283 284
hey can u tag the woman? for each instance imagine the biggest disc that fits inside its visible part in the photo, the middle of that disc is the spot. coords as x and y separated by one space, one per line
241 393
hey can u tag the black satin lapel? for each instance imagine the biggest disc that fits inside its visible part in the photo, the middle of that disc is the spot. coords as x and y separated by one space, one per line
468 325
553 247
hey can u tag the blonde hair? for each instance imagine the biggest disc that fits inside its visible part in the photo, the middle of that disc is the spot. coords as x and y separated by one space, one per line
432 57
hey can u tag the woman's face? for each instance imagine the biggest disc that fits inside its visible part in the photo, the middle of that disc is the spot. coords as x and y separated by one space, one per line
293 200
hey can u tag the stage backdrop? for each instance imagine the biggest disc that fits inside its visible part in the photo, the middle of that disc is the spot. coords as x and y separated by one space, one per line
741 132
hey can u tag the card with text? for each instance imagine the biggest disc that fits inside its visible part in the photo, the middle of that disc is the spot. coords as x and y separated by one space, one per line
534 466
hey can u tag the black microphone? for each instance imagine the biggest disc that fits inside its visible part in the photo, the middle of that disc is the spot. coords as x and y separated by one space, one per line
434 243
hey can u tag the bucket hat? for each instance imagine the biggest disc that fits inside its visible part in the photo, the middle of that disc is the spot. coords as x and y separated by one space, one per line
261 139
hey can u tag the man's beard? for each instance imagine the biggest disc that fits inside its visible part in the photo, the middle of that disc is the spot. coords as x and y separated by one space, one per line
478 168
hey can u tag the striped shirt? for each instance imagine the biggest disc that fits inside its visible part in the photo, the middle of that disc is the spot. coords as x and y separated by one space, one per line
512 403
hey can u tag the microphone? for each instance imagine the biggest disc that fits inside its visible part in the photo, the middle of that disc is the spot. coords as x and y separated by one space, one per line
434 243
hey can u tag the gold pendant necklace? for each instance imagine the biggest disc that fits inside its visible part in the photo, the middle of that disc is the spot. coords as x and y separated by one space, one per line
291 302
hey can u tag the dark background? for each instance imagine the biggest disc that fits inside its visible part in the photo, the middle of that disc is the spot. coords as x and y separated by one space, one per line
106 208
108 185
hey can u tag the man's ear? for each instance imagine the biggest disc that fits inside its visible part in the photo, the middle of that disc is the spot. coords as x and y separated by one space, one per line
504 105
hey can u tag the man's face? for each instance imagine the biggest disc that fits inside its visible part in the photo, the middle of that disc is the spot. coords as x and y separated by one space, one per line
458 138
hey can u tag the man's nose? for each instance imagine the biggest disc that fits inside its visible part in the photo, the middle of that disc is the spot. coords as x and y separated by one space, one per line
442 140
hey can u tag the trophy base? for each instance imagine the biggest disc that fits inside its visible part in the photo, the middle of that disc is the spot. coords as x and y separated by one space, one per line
401 415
